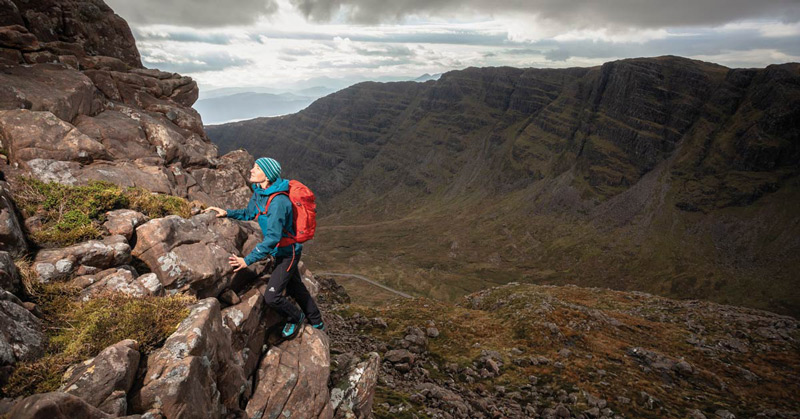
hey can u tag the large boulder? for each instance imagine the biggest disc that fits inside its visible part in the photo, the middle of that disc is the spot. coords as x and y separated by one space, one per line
55 405
123 136
352 397
16 36
89 26
42 135
115 280
56 88
124 222
293 379
226 180
248 321
90 257
105 380
196 373
191 255
12 238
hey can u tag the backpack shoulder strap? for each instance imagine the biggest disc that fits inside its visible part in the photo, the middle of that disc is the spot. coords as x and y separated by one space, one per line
269 201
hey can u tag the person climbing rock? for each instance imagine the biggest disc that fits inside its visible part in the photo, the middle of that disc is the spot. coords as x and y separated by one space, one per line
272 209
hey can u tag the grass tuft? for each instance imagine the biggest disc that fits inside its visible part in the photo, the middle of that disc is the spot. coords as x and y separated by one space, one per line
70 214
80 330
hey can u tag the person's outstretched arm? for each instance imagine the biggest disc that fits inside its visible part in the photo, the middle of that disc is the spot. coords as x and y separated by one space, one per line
245 214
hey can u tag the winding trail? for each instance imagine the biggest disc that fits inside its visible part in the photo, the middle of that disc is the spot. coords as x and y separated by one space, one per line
365 279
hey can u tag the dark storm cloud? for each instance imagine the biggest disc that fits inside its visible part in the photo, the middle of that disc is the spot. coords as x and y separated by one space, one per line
212 61
583 13
194 13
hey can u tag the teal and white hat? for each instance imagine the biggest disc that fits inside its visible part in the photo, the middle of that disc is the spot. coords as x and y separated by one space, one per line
270 167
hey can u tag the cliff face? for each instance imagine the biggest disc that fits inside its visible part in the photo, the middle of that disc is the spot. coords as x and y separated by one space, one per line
76 105
661 174
507 127
89 330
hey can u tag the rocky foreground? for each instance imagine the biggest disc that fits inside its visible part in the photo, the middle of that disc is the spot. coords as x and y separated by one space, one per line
223 360
562 352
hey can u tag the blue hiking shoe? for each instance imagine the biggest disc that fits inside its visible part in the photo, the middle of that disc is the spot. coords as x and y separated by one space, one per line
290 329
320 326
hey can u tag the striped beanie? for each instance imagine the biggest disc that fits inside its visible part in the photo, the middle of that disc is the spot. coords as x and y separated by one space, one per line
270 167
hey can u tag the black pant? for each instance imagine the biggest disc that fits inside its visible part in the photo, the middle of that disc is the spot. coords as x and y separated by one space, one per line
286 276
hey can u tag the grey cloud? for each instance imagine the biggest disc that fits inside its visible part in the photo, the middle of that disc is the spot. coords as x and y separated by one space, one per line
460 37
386 51
558 54
194 13
703 43
583 13
387 62
182 36
297 52
214 61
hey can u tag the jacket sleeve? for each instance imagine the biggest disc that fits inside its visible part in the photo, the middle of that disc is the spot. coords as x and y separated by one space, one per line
277 214
245 214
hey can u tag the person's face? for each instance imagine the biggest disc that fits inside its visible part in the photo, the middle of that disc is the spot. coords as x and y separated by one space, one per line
257 175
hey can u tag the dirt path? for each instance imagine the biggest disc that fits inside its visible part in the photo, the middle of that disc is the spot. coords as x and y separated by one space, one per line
365 279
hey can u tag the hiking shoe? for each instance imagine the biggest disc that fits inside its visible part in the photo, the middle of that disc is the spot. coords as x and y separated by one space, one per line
290 329
320 326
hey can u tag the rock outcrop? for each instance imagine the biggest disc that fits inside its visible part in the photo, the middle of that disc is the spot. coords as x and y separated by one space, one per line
12 239
55 405
83 258
191 255
105 380
352 397
292 379
196 373
248 321
21 335
76 105
124 222
9 276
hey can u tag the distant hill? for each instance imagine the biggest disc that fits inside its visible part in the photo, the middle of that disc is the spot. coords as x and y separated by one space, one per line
249 105
667 175
425 77
239 103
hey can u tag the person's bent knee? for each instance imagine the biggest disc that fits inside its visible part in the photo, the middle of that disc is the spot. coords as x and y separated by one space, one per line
272 299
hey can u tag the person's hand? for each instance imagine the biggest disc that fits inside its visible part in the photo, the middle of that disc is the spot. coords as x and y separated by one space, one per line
220 212
237 262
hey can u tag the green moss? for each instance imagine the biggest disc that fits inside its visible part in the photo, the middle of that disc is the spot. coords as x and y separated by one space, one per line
70 214
393 398
80 330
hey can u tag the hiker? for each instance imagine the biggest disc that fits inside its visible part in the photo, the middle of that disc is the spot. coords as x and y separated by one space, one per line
277 226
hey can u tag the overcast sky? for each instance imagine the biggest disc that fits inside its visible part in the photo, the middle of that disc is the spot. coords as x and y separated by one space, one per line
302 43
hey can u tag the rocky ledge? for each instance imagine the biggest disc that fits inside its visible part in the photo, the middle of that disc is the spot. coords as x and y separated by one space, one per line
76 105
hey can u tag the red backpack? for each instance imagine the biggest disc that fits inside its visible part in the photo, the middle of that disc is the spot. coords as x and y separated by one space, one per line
304 213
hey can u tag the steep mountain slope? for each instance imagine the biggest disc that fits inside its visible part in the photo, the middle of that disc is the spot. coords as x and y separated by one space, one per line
662 174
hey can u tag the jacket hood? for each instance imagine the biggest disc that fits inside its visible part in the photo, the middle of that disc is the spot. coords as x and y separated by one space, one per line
280 185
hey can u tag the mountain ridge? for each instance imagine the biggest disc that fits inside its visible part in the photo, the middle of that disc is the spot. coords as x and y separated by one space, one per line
554 147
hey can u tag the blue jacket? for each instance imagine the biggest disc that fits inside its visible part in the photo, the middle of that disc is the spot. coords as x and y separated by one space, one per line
274 225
